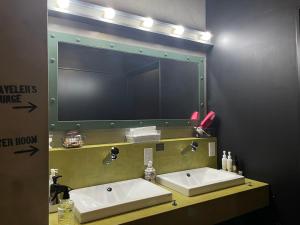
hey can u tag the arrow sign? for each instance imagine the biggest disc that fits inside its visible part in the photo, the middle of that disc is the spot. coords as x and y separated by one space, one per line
31 107
32 149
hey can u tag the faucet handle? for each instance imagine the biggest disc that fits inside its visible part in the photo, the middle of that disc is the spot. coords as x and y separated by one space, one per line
115 150
194 146
114 153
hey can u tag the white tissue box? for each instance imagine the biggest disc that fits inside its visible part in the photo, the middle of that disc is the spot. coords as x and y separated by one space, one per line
143 134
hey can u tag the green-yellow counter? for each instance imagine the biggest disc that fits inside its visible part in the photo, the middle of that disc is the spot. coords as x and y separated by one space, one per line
205 209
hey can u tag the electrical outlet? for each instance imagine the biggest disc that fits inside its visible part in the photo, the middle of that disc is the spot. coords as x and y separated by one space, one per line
148 155
160 147
211 149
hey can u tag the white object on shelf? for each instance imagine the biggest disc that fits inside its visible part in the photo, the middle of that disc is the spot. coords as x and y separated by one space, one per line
143 134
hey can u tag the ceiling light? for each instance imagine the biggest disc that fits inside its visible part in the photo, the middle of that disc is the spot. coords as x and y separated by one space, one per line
147 22
205 36
109 13
63 4
178 30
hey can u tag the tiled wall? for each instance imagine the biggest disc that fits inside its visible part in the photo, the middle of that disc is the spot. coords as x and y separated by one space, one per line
84 167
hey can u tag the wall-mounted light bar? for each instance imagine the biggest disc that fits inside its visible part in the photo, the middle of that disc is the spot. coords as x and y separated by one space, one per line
104 14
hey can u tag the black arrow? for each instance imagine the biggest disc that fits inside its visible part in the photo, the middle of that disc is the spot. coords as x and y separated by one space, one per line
31 107
32 149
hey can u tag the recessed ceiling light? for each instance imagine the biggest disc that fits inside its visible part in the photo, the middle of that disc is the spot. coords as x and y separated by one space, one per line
147 22
205 36
109 13
178 30
63 4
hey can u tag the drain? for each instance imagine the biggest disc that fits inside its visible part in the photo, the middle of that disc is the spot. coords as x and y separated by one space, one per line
109 189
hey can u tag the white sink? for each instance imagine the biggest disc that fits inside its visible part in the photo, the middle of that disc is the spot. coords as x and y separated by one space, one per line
199 181
105 200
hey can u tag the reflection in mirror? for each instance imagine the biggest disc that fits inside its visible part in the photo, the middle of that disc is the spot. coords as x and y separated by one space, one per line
102 84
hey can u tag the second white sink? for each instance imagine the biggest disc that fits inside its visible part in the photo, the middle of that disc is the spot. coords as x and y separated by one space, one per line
100 201
199 181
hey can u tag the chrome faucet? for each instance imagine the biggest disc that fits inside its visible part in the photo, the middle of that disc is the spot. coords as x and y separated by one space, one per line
112 155
193 147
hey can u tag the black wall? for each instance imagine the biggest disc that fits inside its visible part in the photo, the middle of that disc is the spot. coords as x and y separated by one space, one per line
254 88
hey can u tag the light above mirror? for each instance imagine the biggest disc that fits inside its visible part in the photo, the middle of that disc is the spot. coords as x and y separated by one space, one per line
147 22
178 30
109 13
95 12
63 4
206 36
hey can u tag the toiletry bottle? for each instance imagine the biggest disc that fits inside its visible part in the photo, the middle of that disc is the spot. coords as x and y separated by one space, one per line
224 161
234 166
65 209
53 173
229 162
240 169
150 173
54 188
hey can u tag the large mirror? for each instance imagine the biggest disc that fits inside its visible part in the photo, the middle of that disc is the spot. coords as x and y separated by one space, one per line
109 85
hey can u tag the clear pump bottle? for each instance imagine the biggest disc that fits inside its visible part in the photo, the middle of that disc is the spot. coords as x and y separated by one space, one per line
65 210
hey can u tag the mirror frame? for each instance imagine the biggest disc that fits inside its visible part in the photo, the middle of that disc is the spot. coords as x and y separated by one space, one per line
54 38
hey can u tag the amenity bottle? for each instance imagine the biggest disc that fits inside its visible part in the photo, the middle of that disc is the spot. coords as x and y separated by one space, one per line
229 162
224 161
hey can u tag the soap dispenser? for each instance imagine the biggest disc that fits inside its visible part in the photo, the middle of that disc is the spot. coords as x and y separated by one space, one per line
224 161
52 203
150 173
229 162
53 172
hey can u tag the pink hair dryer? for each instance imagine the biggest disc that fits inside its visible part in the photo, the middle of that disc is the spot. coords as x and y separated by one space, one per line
205 123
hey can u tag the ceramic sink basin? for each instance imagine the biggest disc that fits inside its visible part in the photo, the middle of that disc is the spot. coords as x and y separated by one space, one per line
105 200
199 181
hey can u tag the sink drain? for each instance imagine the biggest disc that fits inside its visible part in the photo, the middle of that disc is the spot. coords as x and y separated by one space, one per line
109 189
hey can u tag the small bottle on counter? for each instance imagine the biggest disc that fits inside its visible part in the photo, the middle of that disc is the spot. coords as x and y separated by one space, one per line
65 211
229 162
65 207
52 201
150 172
234 165
224 161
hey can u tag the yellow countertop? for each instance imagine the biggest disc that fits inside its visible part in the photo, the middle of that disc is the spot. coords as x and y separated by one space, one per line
182 202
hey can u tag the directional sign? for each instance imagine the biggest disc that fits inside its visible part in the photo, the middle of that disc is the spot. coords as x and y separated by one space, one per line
31 107
15 94
26 142
32 150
